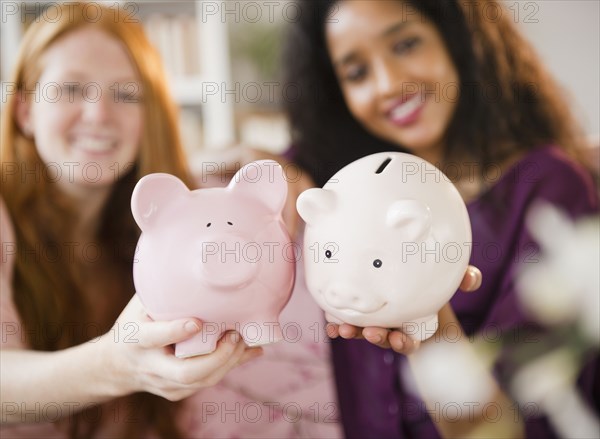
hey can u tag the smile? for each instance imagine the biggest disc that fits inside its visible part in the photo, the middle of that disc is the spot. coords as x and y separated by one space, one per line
406 112
94 145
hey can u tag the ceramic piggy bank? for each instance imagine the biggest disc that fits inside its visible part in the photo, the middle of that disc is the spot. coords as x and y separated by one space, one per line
387 243
221 255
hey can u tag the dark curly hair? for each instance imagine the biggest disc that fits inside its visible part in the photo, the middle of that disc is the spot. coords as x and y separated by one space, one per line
527 110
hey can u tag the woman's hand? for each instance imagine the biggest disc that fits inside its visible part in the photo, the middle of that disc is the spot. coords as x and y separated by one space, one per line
145 361
395 339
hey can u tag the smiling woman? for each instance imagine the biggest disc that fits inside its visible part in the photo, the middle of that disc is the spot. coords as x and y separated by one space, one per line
80 357
91 122
391 74
444 81
389 66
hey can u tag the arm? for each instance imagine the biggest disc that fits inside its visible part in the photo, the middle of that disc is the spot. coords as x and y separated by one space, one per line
105 368
31 380
474 424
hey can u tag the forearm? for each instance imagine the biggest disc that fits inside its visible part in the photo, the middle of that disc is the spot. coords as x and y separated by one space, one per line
475 421
36 385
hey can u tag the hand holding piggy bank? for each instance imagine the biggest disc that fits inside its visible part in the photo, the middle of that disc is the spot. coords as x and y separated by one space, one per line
219 254
387 243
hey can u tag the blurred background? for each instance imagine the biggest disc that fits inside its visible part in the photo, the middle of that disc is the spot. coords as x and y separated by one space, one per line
224 69
223 61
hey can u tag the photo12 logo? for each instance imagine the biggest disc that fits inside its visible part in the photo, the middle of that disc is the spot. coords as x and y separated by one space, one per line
67 172
74 92
53 12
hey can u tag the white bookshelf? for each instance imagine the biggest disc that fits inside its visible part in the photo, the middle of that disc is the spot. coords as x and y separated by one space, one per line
212 70
216 115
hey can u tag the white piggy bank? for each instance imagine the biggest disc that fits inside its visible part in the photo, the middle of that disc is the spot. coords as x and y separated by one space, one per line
387 243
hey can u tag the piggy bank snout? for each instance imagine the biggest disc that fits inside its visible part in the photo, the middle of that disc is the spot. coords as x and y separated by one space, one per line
227 262
345 297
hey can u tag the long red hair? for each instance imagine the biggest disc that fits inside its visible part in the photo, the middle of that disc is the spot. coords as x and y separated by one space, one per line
48 291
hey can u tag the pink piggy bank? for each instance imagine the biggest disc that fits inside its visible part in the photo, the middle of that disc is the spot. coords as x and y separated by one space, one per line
387 243
222 255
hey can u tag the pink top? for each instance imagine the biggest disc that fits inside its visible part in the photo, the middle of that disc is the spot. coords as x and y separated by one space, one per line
287 393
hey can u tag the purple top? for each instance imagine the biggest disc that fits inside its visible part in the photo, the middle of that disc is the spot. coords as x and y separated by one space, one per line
372 399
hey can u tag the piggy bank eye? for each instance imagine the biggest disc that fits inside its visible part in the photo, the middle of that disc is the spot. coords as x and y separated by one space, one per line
328 254
377 263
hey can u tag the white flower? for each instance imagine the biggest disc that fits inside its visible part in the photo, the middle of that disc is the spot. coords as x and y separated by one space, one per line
564 286
549 383
455 374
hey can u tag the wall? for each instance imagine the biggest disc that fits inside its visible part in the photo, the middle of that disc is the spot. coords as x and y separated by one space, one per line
566 34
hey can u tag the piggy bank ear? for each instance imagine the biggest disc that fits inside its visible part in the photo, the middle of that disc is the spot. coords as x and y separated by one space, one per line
313 204
412 217
264 181
152 193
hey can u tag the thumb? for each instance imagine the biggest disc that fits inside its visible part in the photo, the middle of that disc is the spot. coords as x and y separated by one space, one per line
472 279
163 333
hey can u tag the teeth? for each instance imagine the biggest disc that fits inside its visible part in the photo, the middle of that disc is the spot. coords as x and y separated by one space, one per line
94 144
406 108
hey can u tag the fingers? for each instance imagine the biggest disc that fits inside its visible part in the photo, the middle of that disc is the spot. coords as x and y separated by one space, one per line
377 336
344 330
349 331
175 391
396 340
402 343
332 330
151 366
472 279
208 370
201 370
382 337
164 333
